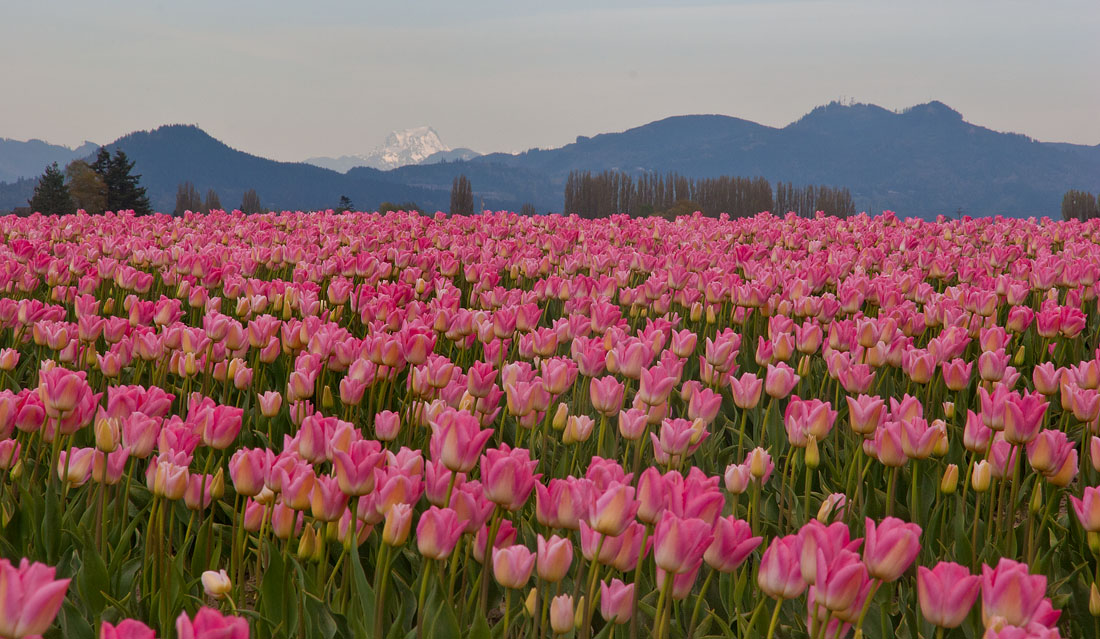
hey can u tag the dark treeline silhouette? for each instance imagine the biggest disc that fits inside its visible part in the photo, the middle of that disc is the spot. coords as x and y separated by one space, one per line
1080 205
598 195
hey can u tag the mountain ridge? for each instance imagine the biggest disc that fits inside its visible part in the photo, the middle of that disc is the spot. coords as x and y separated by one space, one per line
921 161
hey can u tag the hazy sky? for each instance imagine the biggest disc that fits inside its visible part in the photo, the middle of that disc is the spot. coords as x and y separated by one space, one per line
290 79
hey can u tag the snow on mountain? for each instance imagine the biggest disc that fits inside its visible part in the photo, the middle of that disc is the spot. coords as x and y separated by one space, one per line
401 148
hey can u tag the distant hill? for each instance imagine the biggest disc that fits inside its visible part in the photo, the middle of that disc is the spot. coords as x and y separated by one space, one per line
29 159
922 161
420 145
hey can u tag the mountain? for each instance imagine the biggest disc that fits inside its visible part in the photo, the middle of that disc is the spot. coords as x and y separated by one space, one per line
401 148
922 161
29 159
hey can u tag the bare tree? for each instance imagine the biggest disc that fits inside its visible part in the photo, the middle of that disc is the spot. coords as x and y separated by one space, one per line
462 197
212 202
187 199
250 203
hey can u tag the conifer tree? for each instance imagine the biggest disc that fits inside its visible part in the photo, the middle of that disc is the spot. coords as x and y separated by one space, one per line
51 196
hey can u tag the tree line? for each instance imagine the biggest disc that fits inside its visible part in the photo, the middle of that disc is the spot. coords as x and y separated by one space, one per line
1080 205
598 195
107 184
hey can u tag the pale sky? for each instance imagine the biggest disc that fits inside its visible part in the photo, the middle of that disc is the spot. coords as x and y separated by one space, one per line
292 79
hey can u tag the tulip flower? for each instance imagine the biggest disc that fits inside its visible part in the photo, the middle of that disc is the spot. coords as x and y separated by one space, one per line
211 623
1009 591
890 547
216 584
732 544
679 544
947 593
398 524
457 440
126 629
512 566
780 574
607 395
30 598
554 558
508 476
438 532
1087 509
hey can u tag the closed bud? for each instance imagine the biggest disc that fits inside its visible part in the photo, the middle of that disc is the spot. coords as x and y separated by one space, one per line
1019 358
529 602
468 402
109 306
1094 600
696 312
216 584
1094 542
217 485
17 470
711 318
813 455
949 410
1036 499
560 416
306 543
326 398
107 434
983 475
950 479
804 366
578 618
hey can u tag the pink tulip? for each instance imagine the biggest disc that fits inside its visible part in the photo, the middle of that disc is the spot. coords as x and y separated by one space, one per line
126 629
613 510
1024 417
947 593
355 468
387 424
270 403
457 440
679 544
733 543
438 532
890 547
865 413
839 579
1009 591
607 395
554 558
508 475
746 390
210 623
780 575
633 424
616 601
1087 509
512 566
30 598
780 380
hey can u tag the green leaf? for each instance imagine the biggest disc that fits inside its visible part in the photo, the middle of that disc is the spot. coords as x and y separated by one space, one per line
92 580
480 629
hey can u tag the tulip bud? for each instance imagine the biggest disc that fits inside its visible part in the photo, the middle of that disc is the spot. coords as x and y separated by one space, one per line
326 398
17 470
711 317
1094 600
1019 358
1036 499
398 523
578 618
109 306
216 584
804 366
217 484
529 603
696 313
1094 542
950 479
560 416
107 435
813 456
307 543
949 410
561 614
983 475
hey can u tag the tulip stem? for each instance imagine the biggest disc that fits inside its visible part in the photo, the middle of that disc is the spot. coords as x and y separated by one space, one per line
891 485
424 594
775 618
867 606
380 588
659 617
594 568
806 497
699 602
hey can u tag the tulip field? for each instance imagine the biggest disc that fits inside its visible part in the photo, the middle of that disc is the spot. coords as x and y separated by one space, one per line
398 425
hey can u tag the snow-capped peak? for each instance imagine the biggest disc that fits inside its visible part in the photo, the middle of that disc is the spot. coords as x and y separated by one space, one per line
401 148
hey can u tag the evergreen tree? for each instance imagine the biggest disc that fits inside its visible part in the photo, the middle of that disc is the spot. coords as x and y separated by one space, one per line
51 196
212 202
250 203
345 204
124 190
462 196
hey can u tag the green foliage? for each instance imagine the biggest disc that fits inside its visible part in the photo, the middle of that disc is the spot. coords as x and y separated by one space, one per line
51 196
124 190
